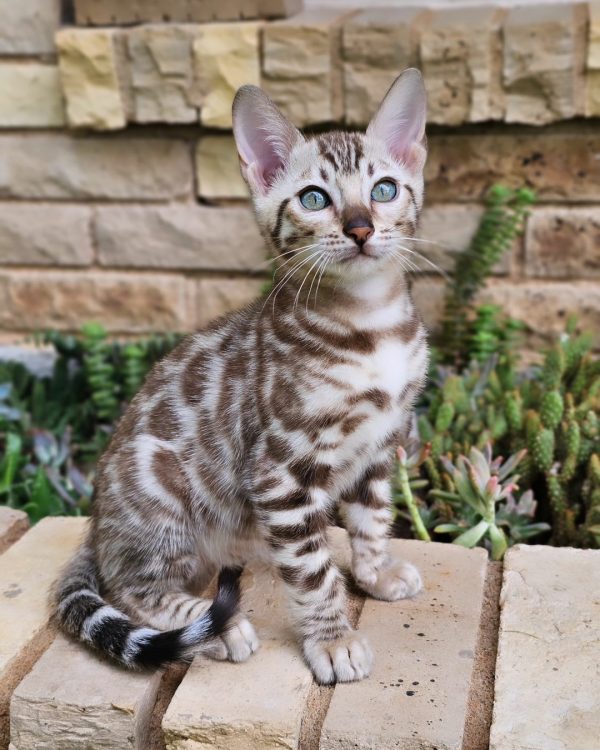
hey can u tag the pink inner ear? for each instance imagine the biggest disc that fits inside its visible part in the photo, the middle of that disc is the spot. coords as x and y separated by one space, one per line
263 136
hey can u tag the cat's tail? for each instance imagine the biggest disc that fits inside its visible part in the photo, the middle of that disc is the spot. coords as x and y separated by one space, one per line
83 613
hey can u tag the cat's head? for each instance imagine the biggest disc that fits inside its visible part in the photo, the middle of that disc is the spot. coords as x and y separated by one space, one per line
337 201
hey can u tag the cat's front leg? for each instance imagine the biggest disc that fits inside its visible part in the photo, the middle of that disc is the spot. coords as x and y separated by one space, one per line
367 514
294 521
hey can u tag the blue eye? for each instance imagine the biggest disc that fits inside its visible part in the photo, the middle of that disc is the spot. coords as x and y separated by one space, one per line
314 199
384 191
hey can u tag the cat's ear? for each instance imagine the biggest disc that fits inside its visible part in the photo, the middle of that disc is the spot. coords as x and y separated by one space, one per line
400 120
263 136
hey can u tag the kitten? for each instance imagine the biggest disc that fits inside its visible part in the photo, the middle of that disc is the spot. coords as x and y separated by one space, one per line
245 439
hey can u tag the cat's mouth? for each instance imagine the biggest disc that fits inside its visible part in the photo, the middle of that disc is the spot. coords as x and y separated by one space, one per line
361 253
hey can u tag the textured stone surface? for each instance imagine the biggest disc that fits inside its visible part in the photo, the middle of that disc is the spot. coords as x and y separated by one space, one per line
88 60
377 45
28 26
218 169
45 235
424 649
560 164
563 243
428 294
547 695
265 696
448 229
226 56
135 303
99 705
184 236
161 73
544 48
217 296
27 570
64 166
30 96
461 58
545 306
13 524
302 69
592 92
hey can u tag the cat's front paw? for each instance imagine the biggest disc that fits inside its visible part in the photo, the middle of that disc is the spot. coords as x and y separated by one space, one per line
394 580
344 659
238 643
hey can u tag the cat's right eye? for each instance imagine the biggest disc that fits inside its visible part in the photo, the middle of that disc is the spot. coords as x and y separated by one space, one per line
314 199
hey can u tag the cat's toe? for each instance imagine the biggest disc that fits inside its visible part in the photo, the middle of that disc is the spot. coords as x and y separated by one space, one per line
345 659
241 640
396 580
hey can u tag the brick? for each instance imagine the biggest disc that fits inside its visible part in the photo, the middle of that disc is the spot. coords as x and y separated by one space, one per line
30 96
563 243
63 166
461 58
545 306
45 235
428 295
592 76
13 524
217 296
377 45
548 651
265 695
100 705
226 56
417 694
218 169
179 236
28 26
544 49
125 303
560 165
89 61
27 570
161 71
302 67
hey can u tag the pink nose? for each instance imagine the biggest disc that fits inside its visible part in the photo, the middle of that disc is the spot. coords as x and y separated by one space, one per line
359 234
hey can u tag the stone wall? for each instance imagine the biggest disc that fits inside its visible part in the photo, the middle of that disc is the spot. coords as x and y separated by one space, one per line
120 195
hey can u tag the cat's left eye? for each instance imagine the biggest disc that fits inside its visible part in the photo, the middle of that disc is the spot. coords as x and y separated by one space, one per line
384 191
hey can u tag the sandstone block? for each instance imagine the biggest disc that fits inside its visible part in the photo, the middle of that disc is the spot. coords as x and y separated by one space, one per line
125 303
63 166
28 26
30 96
265 696
217 296
548 651
179 236
161 72
461 57
377 45
545 306
98 705
428 294
45 235
218 169
88 60
13 524
563 243
592 76
27 570
302 67
424 652
226 56
559 165
544 48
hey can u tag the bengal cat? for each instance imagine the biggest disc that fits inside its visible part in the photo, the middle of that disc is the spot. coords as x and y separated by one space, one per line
245 439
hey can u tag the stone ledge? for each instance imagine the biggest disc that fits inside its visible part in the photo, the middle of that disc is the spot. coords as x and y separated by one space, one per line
480 64
13 524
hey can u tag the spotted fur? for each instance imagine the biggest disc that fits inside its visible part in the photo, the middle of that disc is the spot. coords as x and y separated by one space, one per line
247 438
